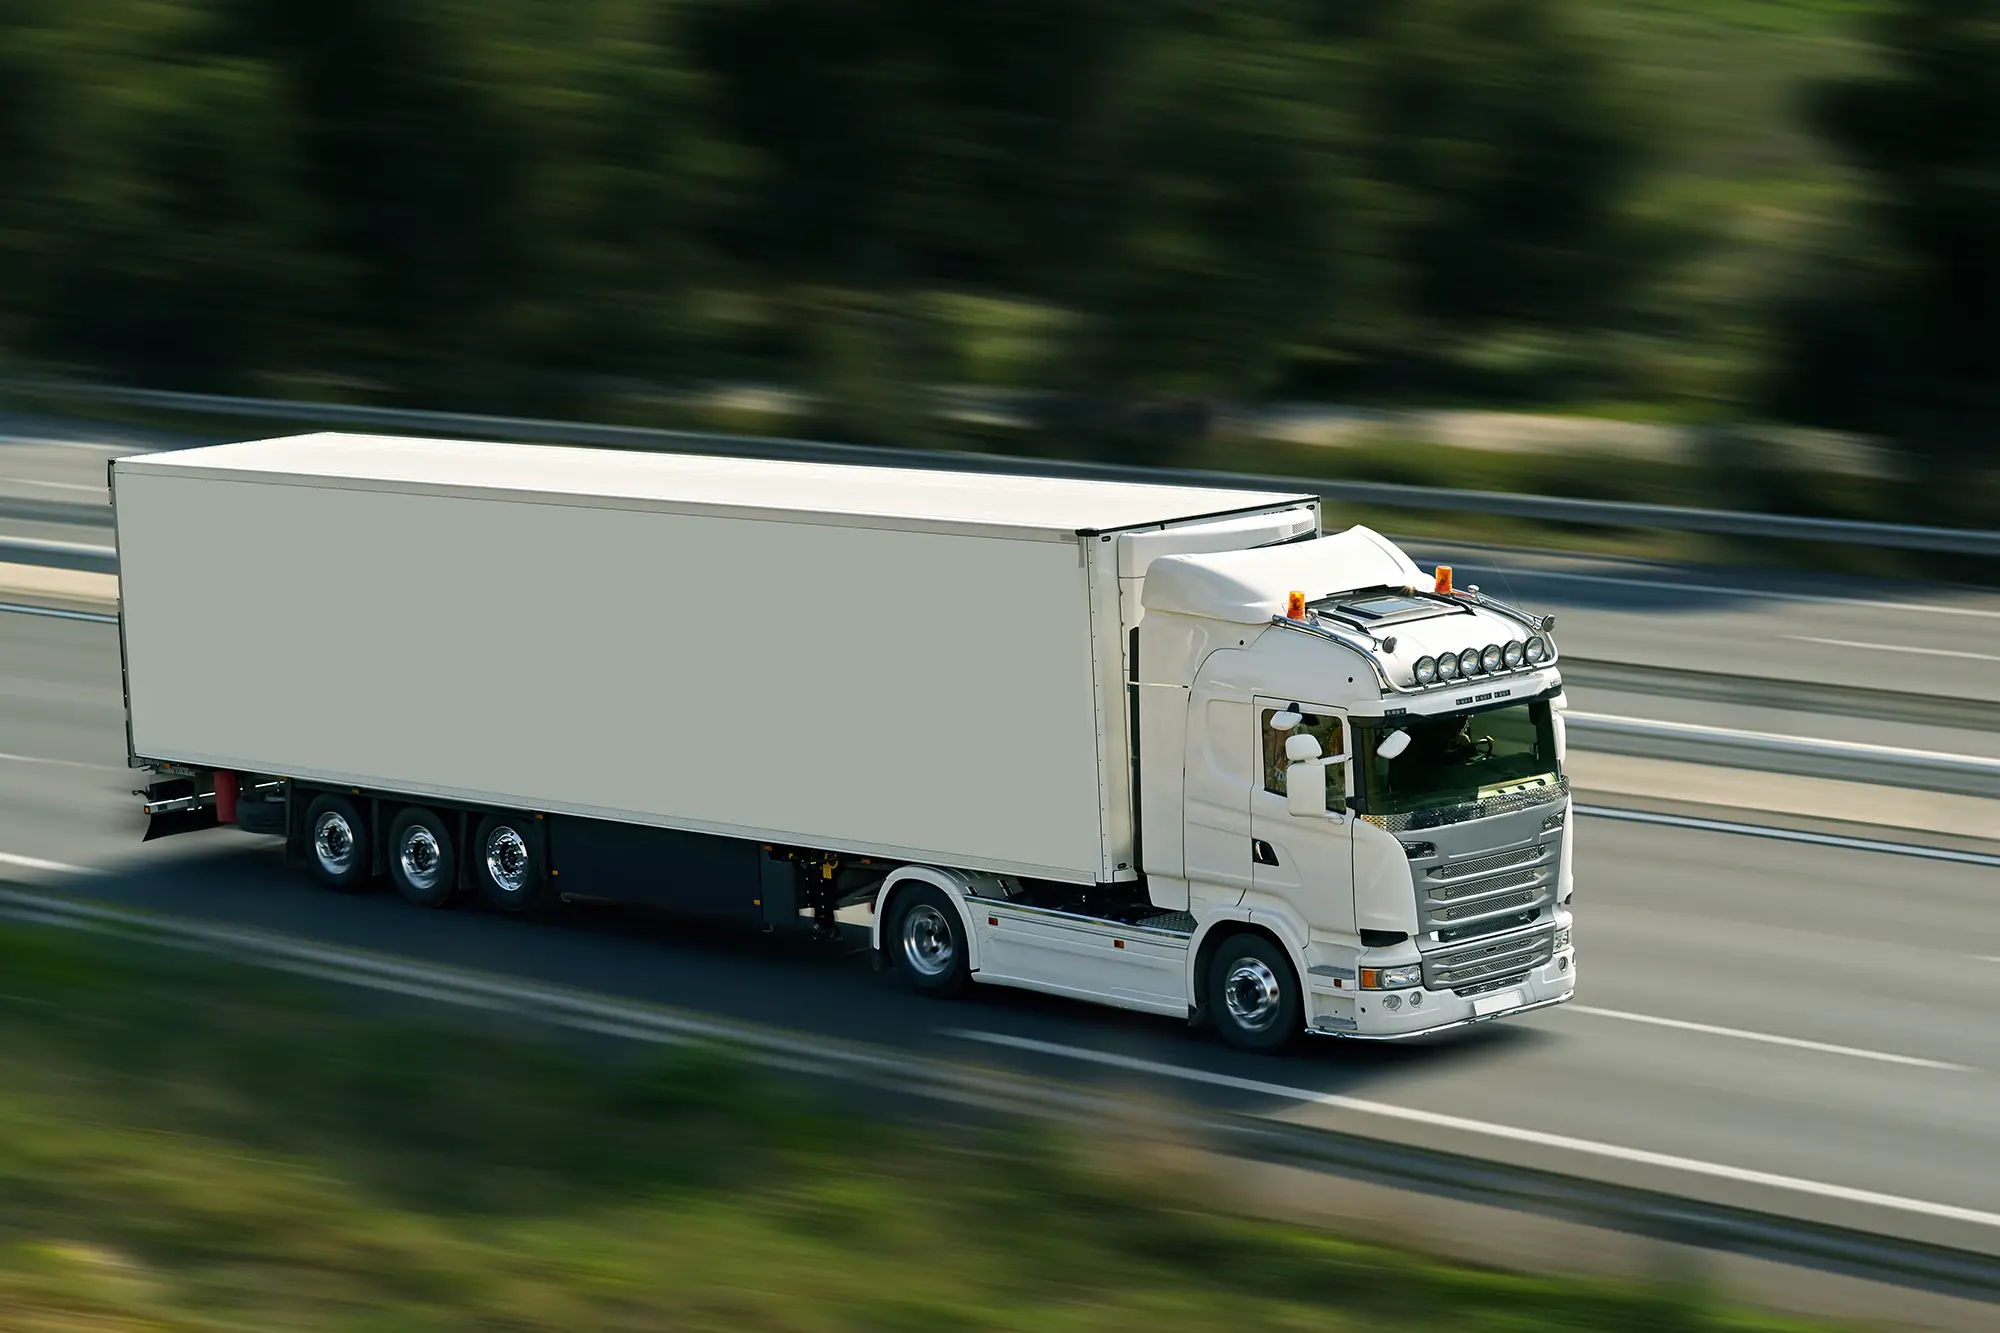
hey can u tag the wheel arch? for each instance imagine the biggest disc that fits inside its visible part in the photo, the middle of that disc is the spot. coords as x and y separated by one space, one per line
954 886
1240 921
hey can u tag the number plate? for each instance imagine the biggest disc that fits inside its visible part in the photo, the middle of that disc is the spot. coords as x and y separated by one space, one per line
1482 1005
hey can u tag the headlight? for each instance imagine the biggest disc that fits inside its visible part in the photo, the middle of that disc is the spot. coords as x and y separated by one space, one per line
1427 670
1537 650
1447 667
1392 978
1562 938
1490 659
1468 662
1513 653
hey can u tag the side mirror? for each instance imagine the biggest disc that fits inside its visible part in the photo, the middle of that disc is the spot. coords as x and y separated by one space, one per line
1286 720
1301 749
1393 744
1305 788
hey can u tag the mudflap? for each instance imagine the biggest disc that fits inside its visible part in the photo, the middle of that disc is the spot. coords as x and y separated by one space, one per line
178 821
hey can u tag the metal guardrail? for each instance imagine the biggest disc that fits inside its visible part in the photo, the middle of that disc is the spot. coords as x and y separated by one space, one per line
60 555
1792 695
1607 513
1807 756
1441 1176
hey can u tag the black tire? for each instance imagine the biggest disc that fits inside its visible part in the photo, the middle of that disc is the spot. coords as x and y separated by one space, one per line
508 865
1253 995
423 864
337 846
927 943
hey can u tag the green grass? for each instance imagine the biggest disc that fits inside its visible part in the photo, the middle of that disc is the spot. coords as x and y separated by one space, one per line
188 1146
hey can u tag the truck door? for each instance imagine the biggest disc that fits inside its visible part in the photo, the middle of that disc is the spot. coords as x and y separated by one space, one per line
1292 857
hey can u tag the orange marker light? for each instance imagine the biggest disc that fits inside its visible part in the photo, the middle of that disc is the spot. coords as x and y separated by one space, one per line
1295 606
1444 578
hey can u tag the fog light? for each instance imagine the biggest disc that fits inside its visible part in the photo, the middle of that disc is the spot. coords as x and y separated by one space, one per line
1416 999
1562 965
1426 670
1392 1002
1537 650
1468 662
1447 667
1516 652
1491 659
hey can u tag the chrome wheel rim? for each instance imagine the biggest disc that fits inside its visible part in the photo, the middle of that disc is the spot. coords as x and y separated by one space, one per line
333 843
421 858
1251 991
927 941
507 859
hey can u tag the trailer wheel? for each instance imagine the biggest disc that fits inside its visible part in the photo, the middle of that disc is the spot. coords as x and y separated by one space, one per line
1253 994
927 941
422 864
507 863
337 843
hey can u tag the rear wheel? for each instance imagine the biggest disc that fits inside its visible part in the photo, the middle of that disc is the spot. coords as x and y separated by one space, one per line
927 941
422 863
337 843
508 864
1253 994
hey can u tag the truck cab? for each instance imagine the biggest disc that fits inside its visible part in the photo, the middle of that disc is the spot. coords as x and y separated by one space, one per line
1350 816
1401 825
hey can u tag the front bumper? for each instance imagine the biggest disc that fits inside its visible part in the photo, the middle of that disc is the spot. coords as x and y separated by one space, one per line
1361 1016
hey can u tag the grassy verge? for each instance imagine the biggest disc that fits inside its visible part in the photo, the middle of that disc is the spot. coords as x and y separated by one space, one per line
189 1146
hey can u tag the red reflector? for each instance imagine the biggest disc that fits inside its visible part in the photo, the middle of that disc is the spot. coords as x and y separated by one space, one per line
1118 944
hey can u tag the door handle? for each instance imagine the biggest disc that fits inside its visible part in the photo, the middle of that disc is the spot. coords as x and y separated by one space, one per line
1263 853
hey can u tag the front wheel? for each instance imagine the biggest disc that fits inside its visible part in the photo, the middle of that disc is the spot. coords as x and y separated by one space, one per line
1253 995
927 941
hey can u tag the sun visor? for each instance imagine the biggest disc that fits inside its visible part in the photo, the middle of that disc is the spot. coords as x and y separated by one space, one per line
1249 587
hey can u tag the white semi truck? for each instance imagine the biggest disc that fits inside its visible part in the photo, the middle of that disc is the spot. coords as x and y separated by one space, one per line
1163 748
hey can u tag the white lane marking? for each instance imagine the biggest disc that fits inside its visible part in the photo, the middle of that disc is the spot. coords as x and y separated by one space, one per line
1894 648
1987 957
59 763
1541 1138
37 863
53 485
1793 835
1798 1043
57 613
1765 595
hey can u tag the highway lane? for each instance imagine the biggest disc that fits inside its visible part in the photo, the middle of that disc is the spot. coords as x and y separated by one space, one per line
1758 1006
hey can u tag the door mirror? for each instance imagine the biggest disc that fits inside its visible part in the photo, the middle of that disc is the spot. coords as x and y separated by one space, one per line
1305 787
1287 720
1393 744
1301 749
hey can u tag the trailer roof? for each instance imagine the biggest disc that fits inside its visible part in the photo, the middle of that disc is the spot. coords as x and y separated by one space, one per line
631 478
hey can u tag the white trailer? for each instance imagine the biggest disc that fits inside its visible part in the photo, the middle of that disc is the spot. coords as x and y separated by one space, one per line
967 704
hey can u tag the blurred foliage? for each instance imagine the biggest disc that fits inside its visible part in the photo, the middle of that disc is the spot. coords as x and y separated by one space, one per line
1908 341
186 1145
1134 209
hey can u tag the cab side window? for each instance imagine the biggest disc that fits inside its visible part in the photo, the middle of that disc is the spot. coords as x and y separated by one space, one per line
1324 729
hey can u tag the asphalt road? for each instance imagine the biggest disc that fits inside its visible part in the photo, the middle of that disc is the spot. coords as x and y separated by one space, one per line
1750 1009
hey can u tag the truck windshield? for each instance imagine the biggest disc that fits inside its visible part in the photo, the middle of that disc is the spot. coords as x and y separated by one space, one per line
1455 757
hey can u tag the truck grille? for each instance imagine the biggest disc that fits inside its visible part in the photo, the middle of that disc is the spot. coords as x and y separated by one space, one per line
1506 902
1479 865
1446 893
1489 960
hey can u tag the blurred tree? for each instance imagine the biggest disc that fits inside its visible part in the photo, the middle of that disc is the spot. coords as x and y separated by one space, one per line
1908 341
153 220
1508 160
